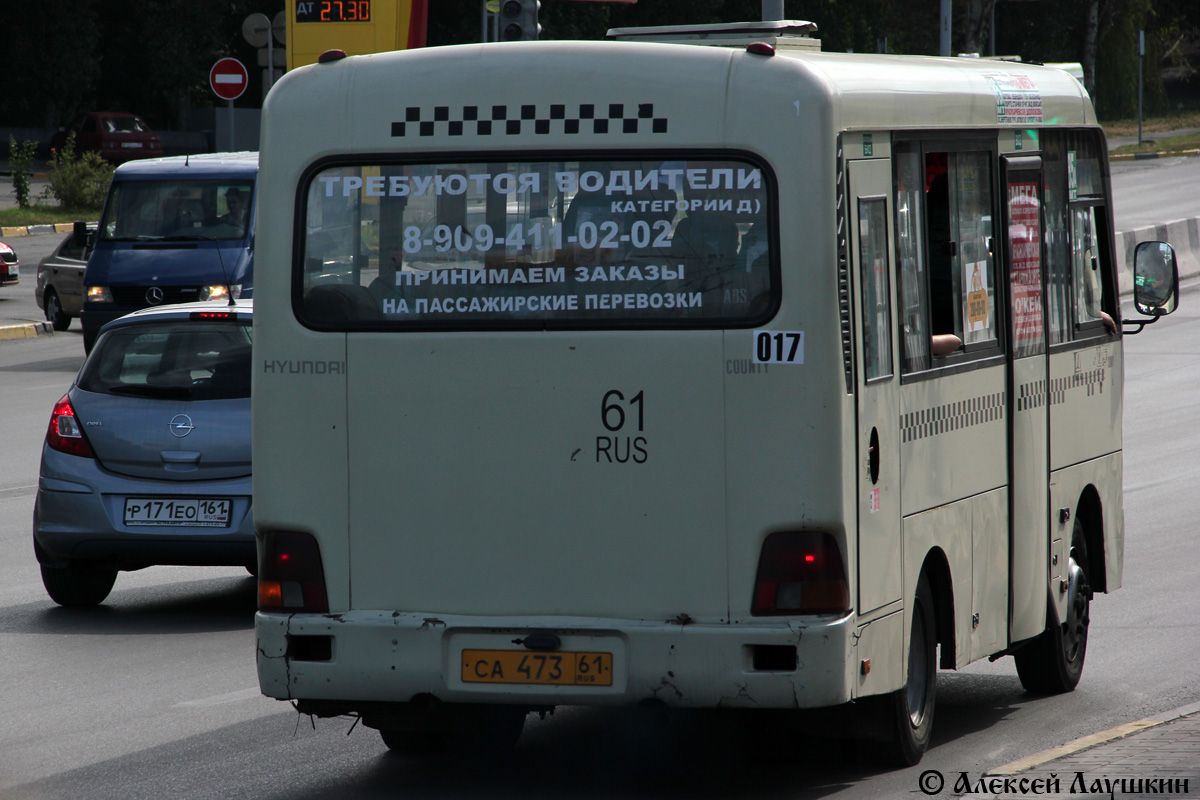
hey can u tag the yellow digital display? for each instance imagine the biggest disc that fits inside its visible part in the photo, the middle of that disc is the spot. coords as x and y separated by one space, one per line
333 11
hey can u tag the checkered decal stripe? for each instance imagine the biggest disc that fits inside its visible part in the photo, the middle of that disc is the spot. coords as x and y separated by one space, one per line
952 417
517 120
1031 395
1092 380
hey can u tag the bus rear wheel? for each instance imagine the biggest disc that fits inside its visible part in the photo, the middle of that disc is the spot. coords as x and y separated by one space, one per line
910 708
1053 662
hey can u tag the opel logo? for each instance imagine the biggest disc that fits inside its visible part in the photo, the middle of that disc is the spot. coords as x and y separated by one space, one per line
154 295
181 425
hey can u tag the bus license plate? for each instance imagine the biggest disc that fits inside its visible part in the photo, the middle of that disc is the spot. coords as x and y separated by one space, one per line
195 512
549 669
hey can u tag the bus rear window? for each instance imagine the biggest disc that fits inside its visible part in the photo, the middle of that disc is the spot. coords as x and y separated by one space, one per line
648 243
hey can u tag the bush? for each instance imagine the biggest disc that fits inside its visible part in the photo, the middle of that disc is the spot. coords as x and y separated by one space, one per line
78 181
20 161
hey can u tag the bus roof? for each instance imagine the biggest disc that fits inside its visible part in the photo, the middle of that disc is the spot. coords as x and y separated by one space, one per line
529 94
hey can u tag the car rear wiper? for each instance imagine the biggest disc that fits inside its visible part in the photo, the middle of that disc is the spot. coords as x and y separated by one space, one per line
150 390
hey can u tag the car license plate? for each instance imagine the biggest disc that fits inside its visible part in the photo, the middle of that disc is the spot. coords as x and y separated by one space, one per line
196 512
549 669
131 144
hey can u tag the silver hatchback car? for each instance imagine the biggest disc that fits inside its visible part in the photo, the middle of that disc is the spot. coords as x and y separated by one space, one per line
147 457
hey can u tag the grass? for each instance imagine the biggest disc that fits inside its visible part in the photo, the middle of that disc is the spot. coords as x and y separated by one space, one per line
1169 122
1175 144
44 214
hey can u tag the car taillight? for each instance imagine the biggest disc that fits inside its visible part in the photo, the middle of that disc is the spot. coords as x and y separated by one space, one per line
290 574
66 434
800 572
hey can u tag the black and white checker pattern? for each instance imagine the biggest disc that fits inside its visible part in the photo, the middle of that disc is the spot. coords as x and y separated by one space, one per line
502 120
1093 381
952 417
1031 395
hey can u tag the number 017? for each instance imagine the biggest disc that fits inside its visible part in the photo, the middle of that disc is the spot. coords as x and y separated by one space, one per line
779 347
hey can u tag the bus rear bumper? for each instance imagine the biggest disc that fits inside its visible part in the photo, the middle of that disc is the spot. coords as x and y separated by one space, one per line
365 657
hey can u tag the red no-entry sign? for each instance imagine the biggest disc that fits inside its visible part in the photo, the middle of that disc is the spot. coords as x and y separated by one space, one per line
228 78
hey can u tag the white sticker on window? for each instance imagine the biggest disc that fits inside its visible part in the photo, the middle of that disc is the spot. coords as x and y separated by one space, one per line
779 347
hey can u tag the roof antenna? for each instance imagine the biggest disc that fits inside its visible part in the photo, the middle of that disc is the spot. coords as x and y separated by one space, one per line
186 158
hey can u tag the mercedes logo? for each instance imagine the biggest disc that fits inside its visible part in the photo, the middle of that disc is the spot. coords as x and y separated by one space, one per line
154 295
181 425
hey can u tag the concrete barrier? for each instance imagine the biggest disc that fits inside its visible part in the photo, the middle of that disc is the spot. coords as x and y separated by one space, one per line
1182 234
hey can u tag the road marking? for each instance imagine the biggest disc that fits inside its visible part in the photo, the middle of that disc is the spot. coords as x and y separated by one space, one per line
239 696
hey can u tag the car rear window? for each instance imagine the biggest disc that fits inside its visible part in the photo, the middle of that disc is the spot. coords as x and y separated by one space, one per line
182 360
678 241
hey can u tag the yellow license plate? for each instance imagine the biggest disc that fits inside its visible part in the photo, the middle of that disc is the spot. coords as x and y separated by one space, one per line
548 669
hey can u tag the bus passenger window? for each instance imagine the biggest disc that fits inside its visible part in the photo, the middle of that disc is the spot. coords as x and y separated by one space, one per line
910 259
941 258
1081 296
958 202
1085 258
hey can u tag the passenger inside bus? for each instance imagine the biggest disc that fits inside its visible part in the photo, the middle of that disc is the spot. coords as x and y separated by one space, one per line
944 339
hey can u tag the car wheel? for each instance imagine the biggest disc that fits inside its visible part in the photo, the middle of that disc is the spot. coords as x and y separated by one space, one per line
54 312
1053 662
77 585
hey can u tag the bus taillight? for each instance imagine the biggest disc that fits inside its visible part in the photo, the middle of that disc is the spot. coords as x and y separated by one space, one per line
290 574
800 572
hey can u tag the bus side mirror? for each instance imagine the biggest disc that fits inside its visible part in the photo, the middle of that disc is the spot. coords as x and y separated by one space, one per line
80 237
1155 279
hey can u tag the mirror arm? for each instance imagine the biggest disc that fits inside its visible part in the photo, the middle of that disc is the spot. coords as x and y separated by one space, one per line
1141 323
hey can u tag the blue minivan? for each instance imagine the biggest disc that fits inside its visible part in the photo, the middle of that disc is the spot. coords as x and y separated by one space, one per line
173 230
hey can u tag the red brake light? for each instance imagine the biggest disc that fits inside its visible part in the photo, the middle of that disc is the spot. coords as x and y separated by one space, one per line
65 433
212 315
800 572
290 574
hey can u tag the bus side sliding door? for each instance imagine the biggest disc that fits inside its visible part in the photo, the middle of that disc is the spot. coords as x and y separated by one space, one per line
1029 419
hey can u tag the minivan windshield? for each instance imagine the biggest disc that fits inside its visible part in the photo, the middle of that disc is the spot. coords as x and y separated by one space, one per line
177 210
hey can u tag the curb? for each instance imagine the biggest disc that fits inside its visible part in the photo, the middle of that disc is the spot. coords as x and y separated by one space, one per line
30 230
28 330
1094 740
1144 156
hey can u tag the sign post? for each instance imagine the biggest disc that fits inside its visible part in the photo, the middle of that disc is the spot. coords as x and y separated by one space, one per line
228 79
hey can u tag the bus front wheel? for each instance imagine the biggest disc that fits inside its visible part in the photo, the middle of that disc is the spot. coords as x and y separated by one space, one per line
910 708
1053 662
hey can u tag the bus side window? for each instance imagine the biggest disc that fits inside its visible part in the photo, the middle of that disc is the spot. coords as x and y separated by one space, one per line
910 258
1082 298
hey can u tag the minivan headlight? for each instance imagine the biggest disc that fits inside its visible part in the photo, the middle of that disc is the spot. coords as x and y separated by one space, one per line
99 294
220 292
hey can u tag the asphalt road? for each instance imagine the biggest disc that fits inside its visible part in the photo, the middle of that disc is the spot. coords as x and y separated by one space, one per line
155 694
1155 191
